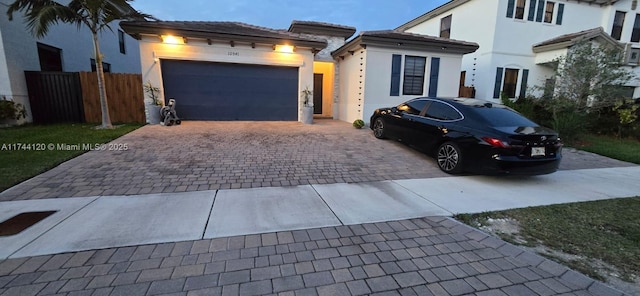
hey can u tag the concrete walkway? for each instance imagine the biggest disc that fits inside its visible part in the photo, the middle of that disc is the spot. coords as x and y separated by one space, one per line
329 239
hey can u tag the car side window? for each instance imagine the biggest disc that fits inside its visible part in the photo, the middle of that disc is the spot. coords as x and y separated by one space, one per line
440 111
413 107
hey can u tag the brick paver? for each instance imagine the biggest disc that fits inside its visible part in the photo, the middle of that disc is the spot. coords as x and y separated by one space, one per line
225 155
428 256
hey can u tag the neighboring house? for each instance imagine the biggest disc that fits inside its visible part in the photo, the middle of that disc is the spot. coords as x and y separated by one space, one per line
65 48
237 71
519 39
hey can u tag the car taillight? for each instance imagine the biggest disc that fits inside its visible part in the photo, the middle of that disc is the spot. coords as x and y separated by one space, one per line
496 142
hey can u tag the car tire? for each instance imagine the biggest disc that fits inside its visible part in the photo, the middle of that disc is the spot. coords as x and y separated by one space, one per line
449 158
378 128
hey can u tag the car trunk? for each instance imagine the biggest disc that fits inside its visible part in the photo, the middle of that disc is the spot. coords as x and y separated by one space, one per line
532 142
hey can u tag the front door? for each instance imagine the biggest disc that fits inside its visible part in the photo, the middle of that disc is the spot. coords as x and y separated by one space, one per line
317 93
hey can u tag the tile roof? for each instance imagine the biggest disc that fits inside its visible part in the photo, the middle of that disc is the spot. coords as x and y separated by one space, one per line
414 37
567 40
321 24
404 40
216 30
321 28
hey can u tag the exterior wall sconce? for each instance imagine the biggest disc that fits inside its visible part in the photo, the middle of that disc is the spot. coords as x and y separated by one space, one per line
284 48
170 39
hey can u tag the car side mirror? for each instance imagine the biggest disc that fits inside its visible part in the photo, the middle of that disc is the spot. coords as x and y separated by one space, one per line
394 110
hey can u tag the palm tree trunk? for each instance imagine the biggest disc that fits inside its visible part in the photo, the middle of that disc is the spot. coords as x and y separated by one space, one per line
104 106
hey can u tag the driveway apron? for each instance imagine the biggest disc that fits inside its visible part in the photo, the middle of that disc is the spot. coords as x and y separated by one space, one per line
198 156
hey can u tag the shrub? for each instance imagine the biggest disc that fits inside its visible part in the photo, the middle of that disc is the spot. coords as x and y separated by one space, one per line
570 125
529 107
11 110
603 121
358 123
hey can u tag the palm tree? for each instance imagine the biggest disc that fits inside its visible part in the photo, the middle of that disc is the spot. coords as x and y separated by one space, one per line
96 15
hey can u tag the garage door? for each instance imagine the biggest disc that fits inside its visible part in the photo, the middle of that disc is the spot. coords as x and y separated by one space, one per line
224 91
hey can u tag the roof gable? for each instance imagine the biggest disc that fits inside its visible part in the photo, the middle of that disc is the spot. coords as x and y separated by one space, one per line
444 8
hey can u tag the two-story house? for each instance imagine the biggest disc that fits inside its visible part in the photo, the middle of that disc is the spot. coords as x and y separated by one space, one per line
519 39
65 48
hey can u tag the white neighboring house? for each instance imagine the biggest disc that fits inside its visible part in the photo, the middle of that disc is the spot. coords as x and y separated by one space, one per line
519 39
65 48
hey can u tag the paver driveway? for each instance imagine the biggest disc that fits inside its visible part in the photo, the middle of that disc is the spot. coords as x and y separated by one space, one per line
223 155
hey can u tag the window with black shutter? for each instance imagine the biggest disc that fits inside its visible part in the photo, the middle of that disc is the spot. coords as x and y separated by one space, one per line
414 75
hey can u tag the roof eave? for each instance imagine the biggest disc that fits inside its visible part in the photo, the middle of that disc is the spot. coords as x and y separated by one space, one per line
137 30
600 35
403 44
550 47
354 43
427 45
431 14
321 30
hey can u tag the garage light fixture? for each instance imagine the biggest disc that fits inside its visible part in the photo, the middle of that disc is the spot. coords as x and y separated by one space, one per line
285 48
170 39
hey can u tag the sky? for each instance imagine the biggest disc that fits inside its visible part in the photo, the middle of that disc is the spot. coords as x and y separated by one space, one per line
278 14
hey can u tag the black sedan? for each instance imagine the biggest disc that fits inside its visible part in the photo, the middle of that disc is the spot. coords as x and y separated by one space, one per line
471 135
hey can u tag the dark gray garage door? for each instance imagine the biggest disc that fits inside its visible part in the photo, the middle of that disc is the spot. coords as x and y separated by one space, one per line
223 91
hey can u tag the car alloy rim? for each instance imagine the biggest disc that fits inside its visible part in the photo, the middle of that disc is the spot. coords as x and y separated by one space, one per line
448 157
378 127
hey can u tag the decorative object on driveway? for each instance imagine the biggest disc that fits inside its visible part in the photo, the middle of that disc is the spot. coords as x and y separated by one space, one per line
168 114
471 135
153 93
358 123
307 106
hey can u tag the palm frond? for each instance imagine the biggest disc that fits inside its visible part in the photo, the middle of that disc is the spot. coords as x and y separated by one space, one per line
26 5
95 14
40 15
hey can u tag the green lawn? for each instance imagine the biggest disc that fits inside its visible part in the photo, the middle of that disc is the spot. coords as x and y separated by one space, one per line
20 161
608 230
622 149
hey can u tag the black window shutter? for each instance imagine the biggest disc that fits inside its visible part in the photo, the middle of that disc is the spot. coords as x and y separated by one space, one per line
540 12
523 83
510 7
560 12
496 88
433 77
396 61
532 10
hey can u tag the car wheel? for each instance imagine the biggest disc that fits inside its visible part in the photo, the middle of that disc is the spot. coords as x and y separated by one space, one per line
378 128
449 158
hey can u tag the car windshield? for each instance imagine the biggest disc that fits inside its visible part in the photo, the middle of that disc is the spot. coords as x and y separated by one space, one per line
503 117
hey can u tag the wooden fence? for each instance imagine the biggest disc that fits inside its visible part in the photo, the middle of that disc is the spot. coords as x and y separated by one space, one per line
467 92
73 97
124 96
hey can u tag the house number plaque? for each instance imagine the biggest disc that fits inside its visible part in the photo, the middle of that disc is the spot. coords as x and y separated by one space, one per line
233 53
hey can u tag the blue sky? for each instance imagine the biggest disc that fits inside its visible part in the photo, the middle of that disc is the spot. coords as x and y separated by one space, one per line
362 14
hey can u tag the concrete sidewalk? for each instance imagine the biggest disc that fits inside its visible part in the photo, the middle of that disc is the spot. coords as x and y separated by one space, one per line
300 240
90 223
